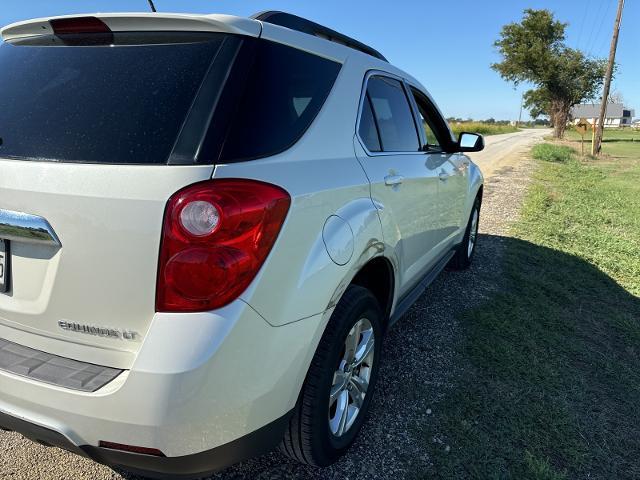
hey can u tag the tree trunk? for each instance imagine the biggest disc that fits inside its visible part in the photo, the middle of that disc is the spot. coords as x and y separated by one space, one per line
559 115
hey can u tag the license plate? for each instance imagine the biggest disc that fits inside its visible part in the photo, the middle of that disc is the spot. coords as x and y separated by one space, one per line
4 265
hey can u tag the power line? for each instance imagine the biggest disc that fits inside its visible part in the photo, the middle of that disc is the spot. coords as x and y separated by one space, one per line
602 19
600 4
602 44
584 16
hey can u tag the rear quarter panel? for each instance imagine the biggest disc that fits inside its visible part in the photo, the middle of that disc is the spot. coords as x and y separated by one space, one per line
299 278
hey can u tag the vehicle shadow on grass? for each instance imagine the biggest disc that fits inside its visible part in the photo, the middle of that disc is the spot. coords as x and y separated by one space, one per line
550 376
526 365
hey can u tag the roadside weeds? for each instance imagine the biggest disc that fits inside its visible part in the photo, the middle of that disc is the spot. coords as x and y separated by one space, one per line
550 365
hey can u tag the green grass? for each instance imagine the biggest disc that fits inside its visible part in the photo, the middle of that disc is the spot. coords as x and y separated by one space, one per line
623 142
609 134
550 382
549 152
481 128
622 149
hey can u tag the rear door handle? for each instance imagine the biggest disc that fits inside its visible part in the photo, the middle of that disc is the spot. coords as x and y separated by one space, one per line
393 180
443 176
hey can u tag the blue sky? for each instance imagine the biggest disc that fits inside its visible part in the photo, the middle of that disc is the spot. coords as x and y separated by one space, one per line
448 45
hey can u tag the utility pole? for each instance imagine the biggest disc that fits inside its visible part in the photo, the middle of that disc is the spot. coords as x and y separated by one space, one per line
153 7
595 149
520 114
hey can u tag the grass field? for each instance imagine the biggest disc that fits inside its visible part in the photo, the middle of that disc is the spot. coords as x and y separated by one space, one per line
481 128
550 382
617 142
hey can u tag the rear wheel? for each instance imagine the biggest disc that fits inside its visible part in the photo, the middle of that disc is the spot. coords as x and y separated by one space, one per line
464 254
337 392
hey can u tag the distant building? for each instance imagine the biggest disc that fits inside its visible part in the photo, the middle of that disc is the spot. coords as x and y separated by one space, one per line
617 114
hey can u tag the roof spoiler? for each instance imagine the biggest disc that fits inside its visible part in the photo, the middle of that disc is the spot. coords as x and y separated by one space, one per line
120 22
300 24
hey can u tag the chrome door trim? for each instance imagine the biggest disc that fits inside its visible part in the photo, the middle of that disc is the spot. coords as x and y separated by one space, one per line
27 228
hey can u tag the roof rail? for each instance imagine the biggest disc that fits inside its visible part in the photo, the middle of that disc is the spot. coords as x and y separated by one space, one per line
300 24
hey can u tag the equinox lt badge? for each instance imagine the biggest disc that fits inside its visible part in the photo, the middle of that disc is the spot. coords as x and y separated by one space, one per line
97 331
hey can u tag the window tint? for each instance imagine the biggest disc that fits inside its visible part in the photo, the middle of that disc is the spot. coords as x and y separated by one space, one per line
120 102
393 115
432 140
285 89
434 127
367 129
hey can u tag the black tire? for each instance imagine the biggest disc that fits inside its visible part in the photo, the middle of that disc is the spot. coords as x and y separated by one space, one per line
309 438
462 259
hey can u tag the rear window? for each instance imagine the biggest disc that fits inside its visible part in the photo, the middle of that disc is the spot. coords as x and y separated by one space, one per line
120 102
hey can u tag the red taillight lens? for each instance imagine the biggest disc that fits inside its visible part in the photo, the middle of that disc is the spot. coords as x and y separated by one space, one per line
63 26
216 236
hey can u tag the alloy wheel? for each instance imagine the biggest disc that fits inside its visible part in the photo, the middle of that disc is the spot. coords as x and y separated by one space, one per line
351 379
473 232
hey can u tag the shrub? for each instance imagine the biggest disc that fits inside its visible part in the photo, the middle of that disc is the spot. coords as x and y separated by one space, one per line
552 153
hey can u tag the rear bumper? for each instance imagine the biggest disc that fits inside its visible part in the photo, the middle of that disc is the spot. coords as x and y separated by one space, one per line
206 389
188 466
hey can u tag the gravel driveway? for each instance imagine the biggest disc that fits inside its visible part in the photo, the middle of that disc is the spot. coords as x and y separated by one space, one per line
416 372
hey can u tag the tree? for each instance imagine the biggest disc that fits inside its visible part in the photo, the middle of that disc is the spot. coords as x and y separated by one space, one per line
616 97
534 51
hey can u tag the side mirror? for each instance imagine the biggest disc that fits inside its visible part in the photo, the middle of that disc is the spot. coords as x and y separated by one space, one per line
470 142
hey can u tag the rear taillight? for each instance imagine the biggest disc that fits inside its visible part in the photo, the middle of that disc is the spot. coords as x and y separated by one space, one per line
216 236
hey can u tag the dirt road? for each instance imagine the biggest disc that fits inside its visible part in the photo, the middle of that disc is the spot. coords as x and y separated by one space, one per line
506 149
417 369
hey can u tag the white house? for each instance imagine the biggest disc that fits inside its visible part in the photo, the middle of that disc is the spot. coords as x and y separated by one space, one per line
617 115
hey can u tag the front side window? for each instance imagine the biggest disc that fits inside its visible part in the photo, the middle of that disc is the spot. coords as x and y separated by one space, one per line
433 125
393 115
432 140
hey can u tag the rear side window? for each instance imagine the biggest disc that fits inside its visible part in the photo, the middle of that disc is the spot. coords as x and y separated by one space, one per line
393 115
368 130
121 102
283 92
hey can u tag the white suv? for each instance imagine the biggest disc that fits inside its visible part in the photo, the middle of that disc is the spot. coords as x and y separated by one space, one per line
207 225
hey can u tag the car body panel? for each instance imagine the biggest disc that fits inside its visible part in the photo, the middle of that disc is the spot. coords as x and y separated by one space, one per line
180 395
108 218
197 381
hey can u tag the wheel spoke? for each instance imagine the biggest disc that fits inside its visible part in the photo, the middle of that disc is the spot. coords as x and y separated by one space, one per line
356 397
365 348
360 384
351 344
338 417
343 410
339 384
